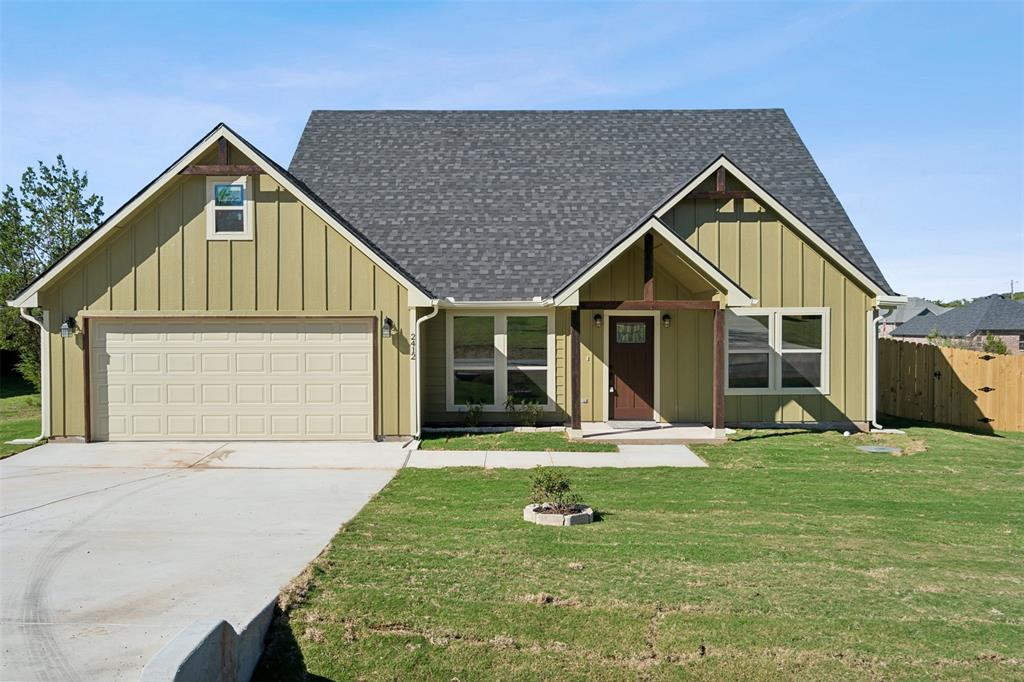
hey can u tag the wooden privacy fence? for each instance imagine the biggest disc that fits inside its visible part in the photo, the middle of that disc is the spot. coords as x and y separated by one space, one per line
965 388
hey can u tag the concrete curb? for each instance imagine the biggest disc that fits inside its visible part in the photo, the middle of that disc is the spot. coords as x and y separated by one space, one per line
211 650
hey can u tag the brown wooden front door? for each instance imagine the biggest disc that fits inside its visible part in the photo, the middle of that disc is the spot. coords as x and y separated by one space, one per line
631 367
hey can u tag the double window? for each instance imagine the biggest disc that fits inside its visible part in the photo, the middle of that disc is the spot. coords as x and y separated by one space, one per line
228 208
496 356
782 350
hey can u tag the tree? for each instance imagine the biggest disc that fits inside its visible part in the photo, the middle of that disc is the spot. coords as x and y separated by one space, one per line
994 345
50 214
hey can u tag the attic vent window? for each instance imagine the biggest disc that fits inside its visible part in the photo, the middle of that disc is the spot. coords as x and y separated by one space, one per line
228 208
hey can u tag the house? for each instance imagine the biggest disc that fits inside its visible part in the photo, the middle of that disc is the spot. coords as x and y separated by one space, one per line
969 325
914 307
669 266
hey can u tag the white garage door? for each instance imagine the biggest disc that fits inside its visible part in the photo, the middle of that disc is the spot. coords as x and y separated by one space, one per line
260 379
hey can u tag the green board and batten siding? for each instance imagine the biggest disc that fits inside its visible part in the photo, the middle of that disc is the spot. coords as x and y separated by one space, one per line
774 264
160 261
434 378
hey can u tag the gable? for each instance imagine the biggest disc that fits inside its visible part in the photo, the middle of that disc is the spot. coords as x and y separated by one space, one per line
751 244
674 278
159 258
206 152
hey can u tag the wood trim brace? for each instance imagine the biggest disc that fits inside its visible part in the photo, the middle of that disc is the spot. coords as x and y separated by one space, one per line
649 305
649 266
221 169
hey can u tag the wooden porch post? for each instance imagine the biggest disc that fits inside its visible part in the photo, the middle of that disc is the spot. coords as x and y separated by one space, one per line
574 318
649 266
718 383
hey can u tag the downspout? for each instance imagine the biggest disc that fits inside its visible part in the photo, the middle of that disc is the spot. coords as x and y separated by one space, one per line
44 377
417 416
873 378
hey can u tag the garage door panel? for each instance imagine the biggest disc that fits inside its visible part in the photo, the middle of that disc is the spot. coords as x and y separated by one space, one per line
250 379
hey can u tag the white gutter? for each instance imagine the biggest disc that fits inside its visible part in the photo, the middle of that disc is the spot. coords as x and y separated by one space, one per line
44 377
873 364
416 416
536 302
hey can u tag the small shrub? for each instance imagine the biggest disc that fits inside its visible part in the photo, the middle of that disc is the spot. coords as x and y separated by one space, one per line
474 411
530 413
994 345
552 489
526 412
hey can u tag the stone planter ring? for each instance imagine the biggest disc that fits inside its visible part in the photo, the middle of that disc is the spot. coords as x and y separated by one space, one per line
536 513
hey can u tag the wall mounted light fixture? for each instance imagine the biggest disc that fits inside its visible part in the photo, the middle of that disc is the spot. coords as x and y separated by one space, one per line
387 328
597 320
67 330
666 320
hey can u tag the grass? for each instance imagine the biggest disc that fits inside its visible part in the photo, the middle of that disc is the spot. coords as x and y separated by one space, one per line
19 413
793 556
537 441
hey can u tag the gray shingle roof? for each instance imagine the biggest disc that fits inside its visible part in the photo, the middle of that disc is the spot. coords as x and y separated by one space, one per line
508 205
913 308
991 314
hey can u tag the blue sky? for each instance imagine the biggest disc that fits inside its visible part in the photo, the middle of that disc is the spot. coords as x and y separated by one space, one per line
914 111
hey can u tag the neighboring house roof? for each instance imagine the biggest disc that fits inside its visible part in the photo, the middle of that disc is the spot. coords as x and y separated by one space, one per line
914 307
509 205
990 314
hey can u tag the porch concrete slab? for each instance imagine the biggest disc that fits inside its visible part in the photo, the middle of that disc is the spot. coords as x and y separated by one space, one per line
306 455
650 432
502 459
439 459
631 456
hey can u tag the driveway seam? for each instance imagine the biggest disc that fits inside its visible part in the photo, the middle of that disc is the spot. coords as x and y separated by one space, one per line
163 472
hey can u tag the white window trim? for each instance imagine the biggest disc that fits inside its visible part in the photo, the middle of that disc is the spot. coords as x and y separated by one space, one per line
775 316
211 209
501 364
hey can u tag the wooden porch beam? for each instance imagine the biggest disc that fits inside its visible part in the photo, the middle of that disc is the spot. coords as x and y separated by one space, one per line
718 381
649 266
649 305
221 169
574 321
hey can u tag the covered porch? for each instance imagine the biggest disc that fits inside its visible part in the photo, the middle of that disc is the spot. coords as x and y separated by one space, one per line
647 343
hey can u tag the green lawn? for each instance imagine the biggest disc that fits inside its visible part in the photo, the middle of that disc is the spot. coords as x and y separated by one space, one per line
793 556
542 441
19 417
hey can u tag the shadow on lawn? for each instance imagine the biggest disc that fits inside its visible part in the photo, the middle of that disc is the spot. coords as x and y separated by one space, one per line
774 433
892 422
282 657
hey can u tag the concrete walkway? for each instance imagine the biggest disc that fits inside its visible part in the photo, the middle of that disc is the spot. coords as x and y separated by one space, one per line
629 456
108 550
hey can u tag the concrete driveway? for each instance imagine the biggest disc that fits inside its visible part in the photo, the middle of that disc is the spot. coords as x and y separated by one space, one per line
108 550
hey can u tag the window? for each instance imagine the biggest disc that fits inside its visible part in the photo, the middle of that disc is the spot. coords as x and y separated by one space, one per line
473 356
749 352
630 332
228 208
777 350
497 356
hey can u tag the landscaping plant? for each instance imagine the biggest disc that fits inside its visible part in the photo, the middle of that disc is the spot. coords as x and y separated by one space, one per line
551 489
